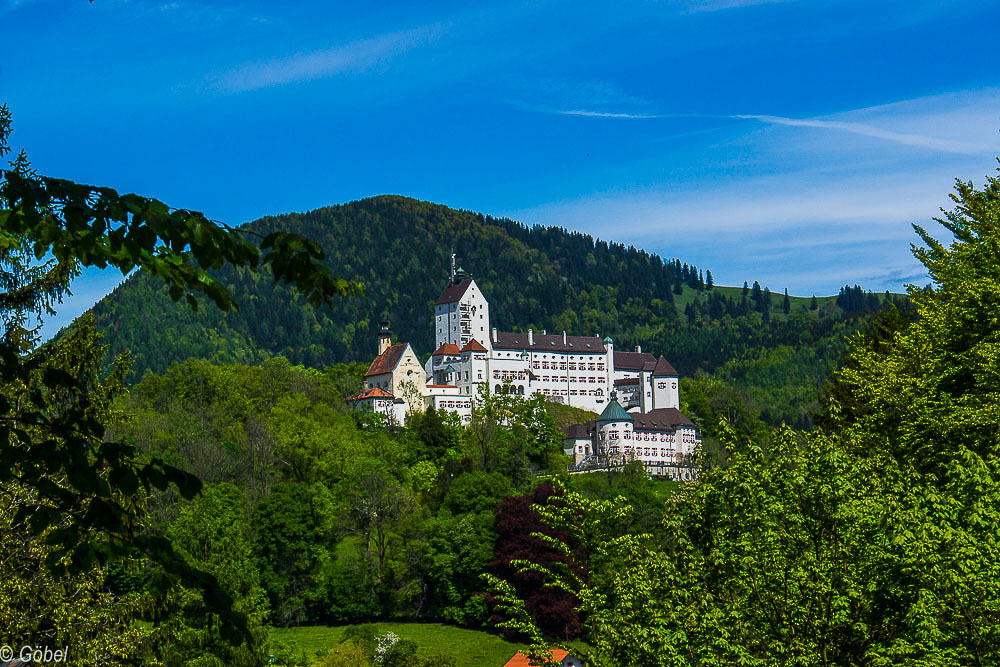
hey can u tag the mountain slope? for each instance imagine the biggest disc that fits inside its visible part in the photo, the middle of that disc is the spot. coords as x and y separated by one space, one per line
399 249
544 278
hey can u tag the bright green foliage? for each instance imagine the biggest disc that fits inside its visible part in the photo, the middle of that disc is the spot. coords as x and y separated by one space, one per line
510 434
77 611
294 529
874 544
49 597
212 532
930 400
250 425
349 653
52 442
460 545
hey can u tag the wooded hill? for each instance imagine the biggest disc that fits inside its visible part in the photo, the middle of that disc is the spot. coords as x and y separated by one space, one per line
540 277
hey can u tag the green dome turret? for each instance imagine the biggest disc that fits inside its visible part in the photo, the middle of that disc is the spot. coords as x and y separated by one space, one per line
614 411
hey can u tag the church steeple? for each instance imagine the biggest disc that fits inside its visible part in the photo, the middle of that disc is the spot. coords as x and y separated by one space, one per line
384 337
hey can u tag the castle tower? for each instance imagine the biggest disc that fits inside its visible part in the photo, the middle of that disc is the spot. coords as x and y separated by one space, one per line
384 337
461 313
664 381
613 430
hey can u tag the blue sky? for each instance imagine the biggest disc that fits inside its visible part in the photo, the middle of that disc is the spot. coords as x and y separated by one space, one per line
791 142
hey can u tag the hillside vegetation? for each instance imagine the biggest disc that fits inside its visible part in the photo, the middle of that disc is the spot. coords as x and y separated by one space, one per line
538 277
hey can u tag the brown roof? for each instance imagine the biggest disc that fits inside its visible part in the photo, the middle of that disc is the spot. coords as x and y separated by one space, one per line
388 360
580 431
551 342
371 392
521 660
453 292
446 348
663 368
474 346
661 419
633 361
626 381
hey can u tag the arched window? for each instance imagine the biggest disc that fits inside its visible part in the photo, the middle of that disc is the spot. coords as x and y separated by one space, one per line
520 389
499 389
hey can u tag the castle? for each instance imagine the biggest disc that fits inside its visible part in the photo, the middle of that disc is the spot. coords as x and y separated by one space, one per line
635 393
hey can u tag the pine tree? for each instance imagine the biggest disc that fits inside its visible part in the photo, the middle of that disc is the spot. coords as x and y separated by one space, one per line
746 289
813 304
786 305
709 283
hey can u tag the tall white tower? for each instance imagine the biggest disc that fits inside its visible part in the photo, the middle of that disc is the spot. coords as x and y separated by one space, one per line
461 313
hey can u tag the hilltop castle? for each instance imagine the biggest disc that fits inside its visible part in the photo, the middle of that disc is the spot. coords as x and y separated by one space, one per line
635 393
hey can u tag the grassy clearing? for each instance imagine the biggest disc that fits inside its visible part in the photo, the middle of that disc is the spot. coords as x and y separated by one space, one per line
566 415
467 647
826 305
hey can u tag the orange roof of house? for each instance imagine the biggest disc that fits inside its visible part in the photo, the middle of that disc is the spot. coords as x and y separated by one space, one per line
521 660
371 392
388 360
446 348
474 346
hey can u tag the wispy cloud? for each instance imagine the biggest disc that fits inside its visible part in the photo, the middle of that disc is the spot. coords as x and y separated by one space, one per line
947 123
907 139
699 6
605 114
593 99
357 56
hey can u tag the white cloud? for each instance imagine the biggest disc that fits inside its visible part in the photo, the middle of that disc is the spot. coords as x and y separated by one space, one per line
605 114
357 56
916 140
700 6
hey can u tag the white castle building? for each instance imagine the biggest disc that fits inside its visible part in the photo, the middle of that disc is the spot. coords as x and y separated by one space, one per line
582 371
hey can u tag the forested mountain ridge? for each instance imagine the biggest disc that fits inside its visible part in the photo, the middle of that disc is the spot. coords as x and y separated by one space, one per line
540 277
398 249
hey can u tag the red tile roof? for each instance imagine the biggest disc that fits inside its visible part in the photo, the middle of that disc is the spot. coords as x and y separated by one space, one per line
388 360
661 419
446 348
453 292
663 368
580 431
474 346
521 660
633 361
371 392
549 342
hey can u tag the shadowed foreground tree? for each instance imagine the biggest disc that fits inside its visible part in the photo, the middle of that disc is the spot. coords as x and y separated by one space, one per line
81 491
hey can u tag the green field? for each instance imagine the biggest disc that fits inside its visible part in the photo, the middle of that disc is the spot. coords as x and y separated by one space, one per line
467 647
798 303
